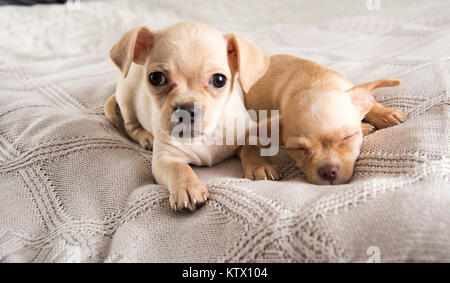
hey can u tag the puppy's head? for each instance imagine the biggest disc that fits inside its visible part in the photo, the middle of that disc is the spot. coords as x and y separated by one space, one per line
190 70
321 130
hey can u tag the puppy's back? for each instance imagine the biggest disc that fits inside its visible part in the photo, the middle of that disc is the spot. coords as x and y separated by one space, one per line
289 75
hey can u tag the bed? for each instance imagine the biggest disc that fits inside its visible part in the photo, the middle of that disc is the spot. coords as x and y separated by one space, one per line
75 189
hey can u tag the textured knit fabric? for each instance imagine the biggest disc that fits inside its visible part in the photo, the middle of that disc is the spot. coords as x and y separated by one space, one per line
75 189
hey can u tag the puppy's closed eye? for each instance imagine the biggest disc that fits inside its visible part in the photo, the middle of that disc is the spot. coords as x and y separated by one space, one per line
350 137
297 147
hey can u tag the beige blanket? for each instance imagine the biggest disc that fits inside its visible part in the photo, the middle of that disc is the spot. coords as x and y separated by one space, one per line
73 188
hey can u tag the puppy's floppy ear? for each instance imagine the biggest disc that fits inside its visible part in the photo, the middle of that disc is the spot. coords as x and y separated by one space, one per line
133 46
247 59
361 95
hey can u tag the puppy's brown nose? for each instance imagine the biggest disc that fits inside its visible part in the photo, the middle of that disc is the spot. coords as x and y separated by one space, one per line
328 172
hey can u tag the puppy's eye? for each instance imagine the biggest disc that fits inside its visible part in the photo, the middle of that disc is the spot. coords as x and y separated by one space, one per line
157 79
298 149
349 137
218 80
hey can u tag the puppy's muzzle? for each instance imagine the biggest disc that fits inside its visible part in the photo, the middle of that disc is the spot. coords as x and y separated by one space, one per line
187 116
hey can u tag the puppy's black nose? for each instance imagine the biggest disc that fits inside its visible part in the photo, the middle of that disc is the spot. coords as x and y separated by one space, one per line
328 172
189 108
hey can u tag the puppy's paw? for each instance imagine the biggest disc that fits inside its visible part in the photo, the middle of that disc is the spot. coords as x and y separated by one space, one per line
367 129
146 140
262 172
388 117
189 195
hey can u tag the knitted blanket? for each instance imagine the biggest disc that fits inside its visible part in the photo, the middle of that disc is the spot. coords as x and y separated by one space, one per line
75 189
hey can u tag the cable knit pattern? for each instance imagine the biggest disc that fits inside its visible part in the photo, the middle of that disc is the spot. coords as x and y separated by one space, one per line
75 189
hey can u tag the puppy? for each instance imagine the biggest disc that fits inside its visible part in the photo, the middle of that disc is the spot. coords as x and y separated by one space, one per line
188 68
320 119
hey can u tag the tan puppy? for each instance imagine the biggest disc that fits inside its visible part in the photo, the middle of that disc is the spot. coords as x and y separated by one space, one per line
186 68
320 119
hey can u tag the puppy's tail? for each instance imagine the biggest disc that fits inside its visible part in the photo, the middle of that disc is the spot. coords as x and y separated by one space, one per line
110 110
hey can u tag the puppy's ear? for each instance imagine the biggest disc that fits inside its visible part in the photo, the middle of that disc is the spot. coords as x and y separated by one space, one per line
247 59
361 95
133 46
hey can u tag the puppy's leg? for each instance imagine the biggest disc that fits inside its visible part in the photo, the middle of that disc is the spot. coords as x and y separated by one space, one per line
132 126
255 166
139 134
367 129
186 190
382 117
110 110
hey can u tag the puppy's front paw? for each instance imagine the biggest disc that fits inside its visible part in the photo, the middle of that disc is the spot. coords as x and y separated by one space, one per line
146 140
388 117
367 129
188 195
262 172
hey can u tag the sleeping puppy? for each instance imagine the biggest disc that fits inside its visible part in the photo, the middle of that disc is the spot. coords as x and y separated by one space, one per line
320 119
187 69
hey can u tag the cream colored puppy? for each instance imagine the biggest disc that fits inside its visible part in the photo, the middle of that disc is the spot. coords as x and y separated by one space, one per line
320 119
186 68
